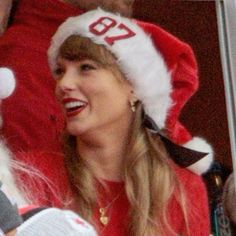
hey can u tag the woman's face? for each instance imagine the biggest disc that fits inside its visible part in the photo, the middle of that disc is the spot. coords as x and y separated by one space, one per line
92 97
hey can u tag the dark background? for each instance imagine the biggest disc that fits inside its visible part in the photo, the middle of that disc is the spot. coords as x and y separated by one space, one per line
195 22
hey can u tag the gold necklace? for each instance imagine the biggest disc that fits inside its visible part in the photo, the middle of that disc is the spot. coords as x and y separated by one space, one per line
104 218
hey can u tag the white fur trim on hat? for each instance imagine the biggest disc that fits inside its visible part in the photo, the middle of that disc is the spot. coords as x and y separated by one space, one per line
142 64
200 145
7 82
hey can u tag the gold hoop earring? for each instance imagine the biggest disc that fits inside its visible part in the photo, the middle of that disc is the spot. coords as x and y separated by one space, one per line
132 106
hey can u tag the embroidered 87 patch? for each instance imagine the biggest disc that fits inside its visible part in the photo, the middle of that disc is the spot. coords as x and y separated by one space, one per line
104 24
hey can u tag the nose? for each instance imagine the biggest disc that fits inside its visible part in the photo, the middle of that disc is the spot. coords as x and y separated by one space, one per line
66 83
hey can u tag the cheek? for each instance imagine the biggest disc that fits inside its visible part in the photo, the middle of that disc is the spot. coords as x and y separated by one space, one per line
97 86
113 99
89 89
100 91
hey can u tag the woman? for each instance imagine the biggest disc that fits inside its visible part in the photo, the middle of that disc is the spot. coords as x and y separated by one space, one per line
111 81
38 123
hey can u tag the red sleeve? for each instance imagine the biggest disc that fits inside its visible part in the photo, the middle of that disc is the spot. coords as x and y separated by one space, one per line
44 178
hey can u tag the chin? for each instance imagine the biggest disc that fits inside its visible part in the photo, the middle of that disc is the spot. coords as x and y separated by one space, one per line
76 130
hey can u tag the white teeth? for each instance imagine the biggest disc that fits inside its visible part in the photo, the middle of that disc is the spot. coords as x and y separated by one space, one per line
74 104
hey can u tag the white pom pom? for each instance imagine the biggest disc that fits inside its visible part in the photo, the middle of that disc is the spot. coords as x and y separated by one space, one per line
199 144
7 82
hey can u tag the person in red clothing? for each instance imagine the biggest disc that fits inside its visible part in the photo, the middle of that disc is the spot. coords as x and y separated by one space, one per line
124 7
122 84
33 119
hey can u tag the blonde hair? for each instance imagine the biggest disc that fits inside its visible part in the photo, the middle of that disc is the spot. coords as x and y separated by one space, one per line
150 181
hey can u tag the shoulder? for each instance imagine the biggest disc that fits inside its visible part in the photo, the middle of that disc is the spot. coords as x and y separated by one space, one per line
188 178
196 201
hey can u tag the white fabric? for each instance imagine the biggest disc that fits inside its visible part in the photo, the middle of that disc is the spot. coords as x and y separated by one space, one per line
7 82
199 144
55 222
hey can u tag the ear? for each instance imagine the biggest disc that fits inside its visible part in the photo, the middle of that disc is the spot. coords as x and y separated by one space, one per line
130 92
133 98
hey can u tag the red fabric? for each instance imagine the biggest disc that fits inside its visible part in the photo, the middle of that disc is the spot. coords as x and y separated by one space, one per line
182 64
193 185
46 182
199 224
32 117
22 210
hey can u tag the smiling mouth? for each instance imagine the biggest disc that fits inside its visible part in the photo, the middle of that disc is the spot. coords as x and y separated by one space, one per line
73 108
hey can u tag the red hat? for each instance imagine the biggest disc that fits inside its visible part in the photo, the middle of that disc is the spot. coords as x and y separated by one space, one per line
161 68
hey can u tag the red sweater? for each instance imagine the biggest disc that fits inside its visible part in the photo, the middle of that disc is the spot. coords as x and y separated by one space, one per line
32 117
199 221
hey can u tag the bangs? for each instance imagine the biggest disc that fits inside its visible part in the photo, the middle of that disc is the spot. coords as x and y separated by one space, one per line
76 48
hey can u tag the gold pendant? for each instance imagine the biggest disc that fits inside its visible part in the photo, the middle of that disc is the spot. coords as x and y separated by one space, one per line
103 218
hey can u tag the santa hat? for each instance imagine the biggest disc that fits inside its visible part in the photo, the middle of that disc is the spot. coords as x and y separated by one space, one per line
161 68
53 221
